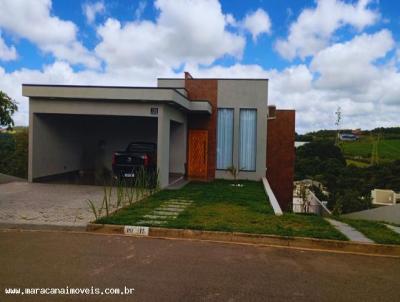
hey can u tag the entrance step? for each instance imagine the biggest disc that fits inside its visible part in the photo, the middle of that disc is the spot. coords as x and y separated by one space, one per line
167 211
157 222
178 203
179 184
172 208
158 217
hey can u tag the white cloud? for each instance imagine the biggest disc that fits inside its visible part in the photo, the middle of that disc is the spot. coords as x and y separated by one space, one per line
140 9
344 74
313 29
185 31
230 20
91 10
257 23
7 53
33 20
350 65
293 87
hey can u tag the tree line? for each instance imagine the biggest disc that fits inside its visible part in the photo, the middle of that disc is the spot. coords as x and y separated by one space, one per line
349 186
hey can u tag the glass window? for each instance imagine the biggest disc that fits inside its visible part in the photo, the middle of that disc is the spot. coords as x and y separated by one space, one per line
248 139
224 138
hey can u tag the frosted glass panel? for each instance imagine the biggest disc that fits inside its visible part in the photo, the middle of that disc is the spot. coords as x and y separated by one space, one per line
248 139
224 138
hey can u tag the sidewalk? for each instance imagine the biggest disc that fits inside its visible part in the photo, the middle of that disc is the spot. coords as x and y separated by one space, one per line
349 231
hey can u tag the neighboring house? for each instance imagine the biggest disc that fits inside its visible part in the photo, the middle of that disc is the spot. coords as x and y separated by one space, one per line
384 197
299 144
310 204
308 183
348 137
357 132
202 127
304 199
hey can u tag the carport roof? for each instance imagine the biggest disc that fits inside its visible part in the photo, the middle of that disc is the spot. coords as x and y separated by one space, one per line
170 96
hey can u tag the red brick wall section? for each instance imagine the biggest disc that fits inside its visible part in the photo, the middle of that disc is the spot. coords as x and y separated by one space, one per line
281 156
205 89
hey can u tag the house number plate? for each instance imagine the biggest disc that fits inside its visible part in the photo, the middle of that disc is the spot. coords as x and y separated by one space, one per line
154 111
136 230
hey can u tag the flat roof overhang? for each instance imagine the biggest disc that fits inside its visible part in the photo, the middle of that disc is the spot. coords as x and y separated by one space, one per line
169 96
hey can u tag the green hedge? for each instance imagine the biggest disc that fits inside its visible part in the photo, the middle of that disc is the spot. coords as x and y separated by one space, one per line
14 153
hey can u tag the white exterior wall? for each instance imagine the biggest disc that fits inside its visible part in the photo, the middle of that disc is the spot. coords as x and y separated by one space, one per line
246 94
383 197
56 141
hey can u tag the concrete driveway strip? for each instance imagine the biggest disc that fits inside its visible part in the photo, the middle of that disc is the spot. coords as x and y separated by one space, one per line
349 231
393 228
47 204
184 270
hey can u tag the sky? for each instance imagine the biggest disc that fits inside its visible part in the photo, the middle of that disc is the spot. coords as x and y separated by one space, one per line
318 55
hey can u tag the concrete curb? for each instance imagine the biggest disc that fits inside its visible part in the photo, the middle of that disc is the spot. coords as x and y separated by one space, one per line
259 239
33 226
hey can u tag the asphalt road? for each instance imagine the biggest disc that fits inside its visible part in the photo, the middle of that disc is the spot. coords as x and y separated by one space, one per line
178 270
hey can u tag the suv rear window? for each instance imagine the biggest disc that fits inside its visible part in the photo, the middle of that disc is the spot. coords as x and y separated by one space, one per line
139 147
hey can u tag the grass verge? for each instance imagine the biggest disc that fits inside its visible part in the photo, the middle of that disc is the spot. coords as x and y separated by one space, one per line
357 163
376 231
218 206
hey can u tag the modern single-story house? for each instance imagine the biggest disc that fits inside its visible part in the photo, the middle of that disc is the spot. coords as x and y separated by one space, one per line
202 128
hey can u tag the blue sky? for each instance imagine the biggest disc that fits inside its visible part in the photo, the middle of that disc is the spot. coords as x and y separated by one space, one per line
318 55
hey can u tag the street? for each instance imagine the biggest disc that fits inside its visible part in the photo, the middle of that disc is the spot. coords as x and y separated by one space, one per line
184 270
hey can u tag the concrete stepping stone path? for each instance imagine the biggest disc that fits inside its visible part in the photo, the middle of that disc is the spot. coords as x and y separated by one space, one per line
349 231
166 212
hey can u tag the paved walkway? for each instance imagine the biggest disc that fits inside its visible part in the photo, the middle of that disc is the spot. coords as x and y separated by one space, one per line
349 231
4 178
394 228
47 204
168 211
179 184
389 214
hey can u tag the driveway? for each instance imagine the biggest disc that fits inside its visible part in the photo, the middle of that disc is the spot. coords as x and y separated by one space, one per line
47 204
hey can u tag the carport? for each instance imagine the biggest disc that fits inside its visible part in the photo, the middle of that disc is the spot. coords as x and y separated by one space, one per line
73 127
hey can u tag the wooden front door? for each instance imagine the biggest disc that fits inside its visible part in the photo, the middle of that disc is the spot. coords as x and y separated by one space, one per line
198 147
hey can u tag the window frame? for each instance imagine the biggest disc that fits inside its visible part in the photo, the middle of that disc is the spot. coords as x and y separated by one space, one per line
233 138
240 138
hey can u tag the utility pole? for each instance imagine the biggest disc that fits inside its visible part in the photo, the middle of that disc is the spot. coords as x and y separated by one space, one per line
375 150
337 123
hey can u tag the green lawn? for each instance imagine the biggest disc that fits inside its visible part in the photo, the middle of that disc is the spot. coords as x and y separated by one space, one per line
388 149
376 231
218 206
357 163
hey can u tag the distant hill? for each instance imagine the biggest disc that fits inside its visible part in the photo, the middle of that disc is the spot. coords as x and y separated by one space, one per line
384 133
362 150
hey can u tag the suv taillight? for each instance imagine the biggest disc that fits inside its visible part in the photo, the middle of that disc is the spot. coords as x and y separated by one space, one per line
145 160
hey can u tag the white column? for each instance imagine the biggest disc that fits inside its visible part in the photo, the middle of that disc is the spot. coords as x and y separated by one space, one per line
163 135
32 125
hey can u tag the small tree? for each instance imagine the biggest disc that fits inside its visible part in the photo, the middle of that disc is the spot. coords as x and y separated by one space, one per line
7 108
303 194
234 172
